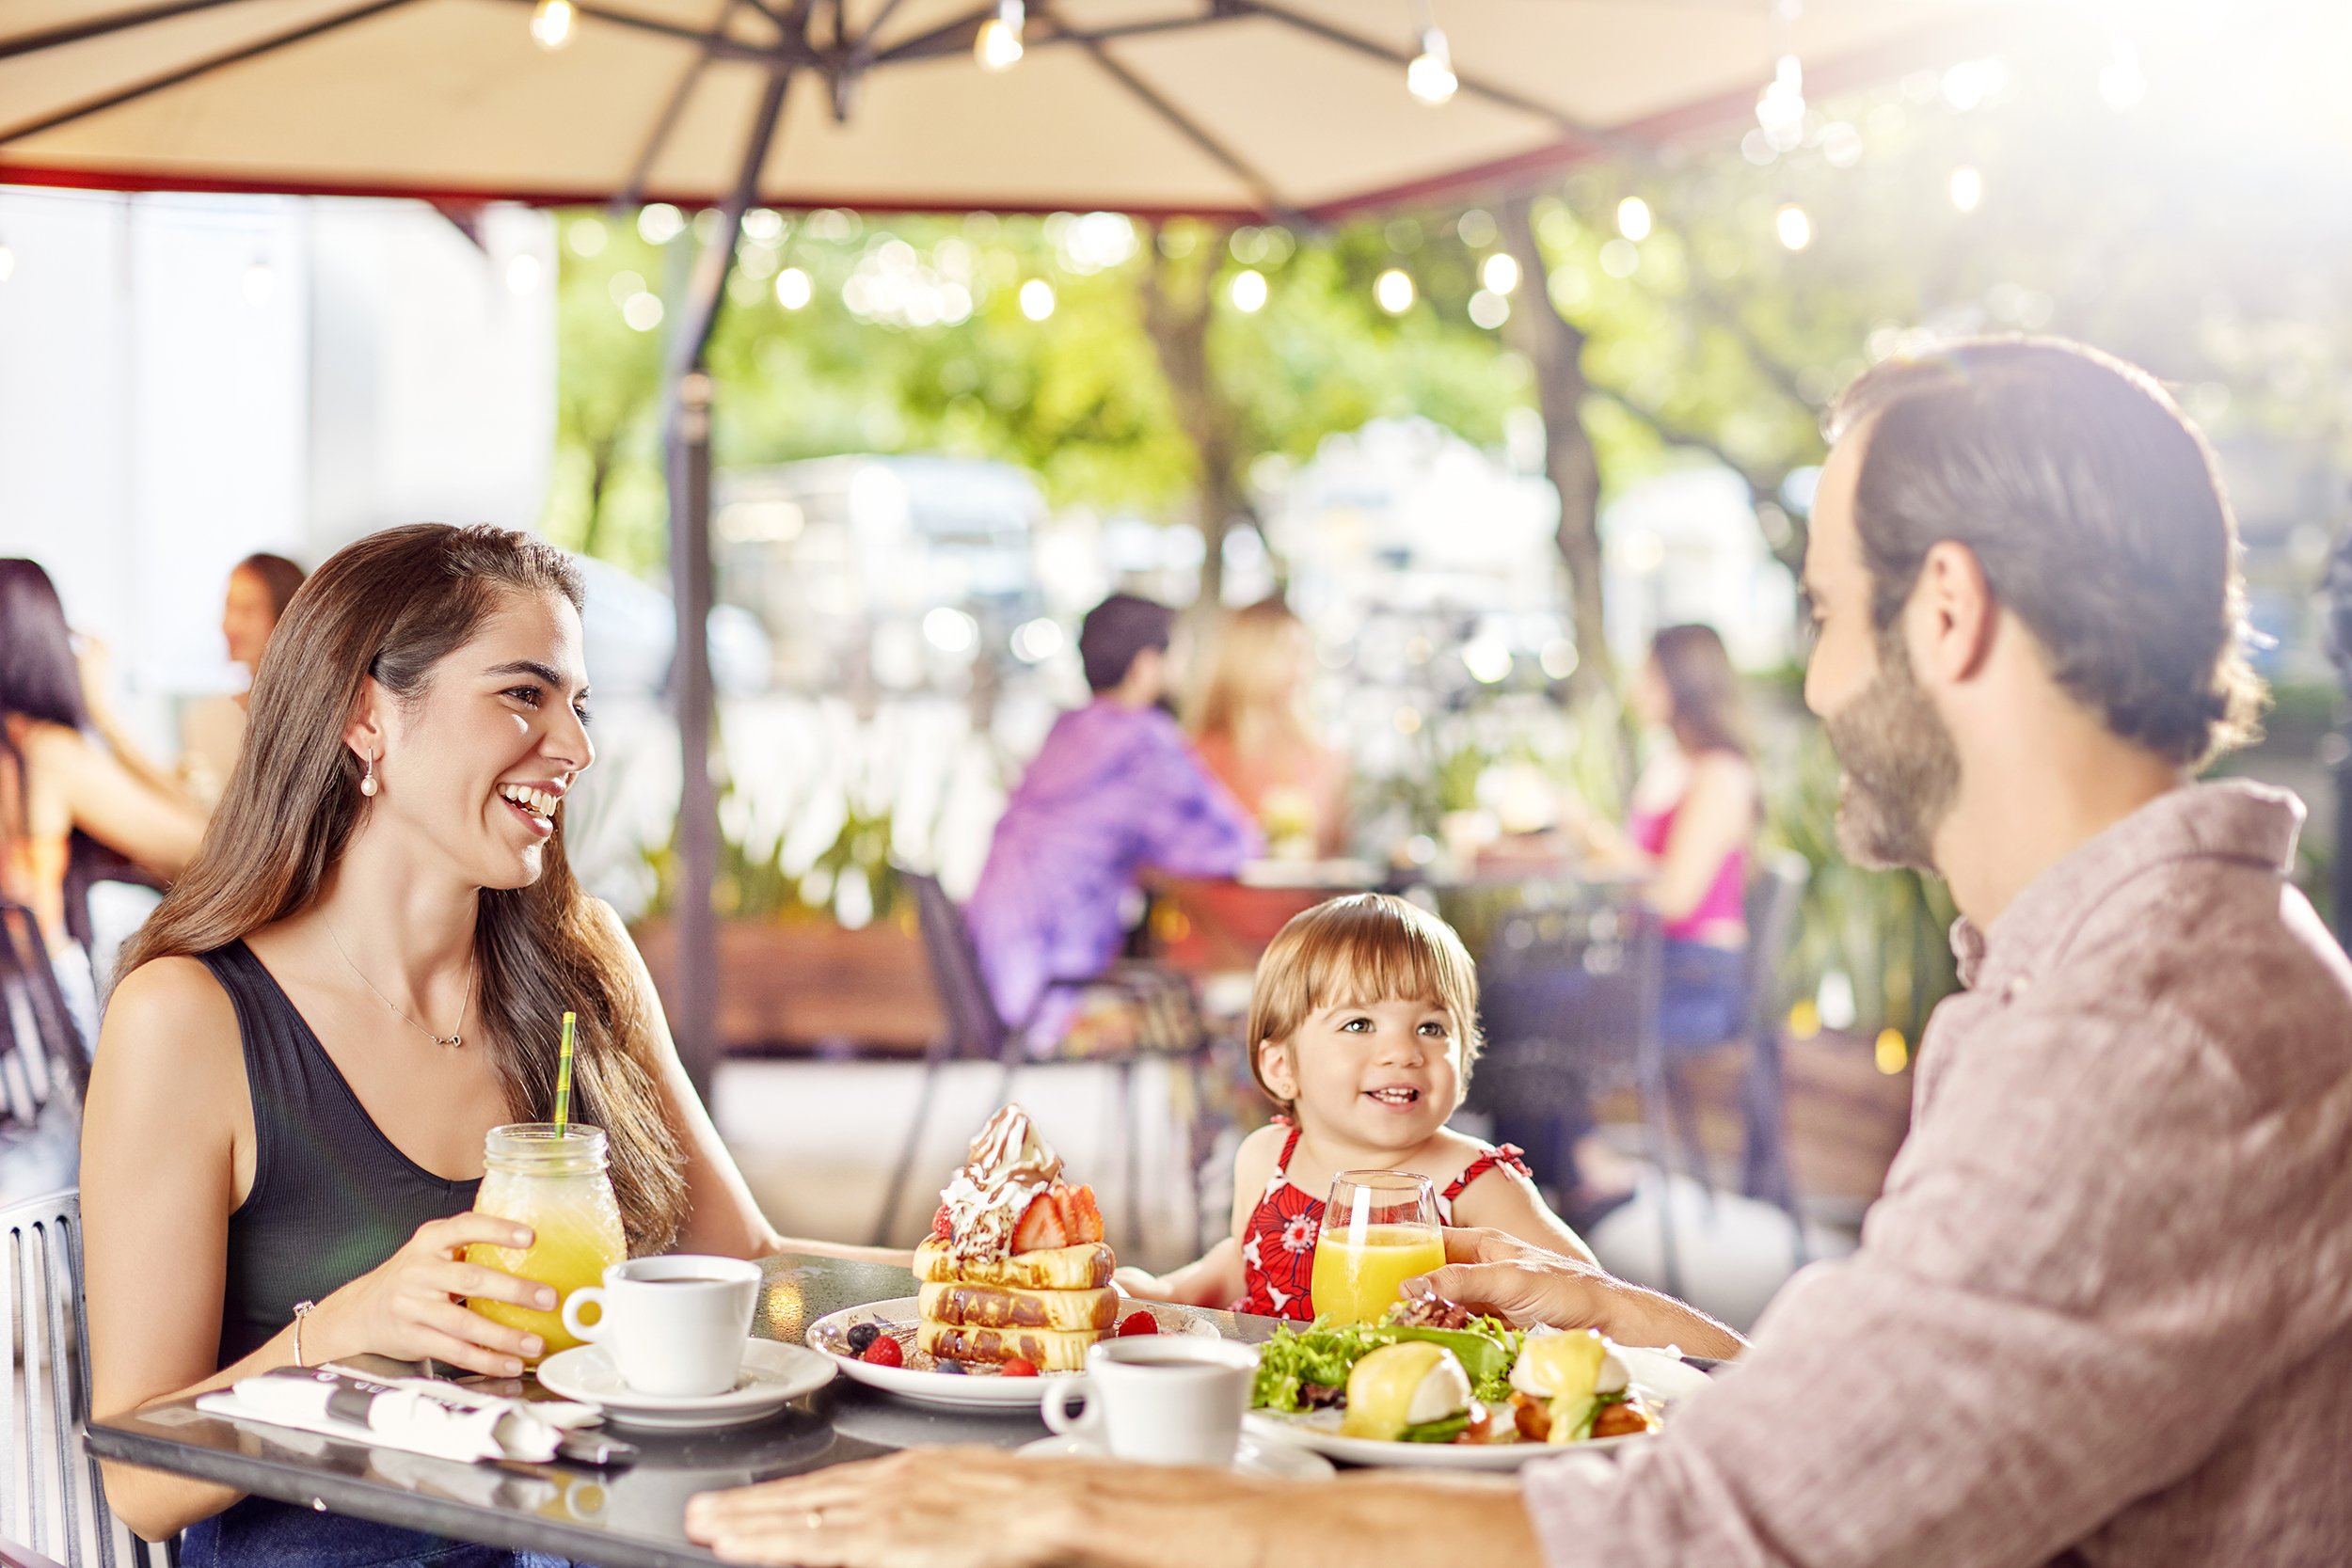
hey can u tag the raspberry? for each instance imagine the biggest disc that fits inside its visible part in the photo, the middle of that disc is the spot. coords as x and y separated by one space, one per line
1015 1366
1137 1323
941 1230
883 1352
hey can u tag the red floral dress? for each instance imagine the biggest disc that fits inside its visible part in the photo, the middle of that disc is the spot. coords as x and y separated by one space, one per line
1278 1250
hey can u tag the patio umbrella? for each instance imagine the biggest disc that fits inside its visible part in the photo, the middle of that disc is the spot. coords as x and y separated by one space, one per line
1300 110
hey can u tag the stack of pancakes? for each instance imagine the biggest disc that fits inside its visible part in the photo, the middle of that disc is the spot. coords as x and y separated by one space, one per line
1045 1306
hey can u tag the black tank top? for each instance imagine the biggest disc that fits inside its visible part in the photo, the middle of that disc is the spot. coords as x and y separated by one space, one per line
332 1198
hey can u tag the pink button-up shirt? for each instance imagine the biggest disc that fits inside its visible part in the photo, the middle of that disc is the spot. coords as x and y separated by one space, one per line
2103 1314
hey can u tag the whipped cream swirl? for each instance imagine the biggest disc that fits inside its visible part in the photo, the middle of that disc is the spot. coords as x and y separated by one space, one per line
1008 1167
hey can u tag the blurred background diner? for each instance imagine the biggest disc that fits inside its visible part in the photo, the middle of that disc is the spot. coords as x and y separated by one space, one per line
212 730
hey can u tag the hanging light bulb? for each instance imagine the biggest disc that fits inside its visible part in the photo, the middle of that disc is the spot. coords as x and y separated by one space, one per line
1393 288
1780 109
551 23
1430 78
998 47
1794 228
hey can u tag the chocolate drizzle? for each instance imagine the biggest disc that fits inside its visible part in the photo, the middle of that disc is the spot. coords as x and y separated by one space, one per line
1005 1169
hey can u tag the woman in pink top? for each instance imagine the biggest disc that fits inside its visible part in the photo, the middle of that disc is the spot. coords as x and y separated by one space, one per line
1689 828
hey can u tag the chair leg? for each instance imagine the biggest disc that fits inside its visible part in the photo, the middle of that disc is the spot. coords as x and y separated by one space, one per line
1654 1123
906 1155
1684 1105
1128 1133
1765 1169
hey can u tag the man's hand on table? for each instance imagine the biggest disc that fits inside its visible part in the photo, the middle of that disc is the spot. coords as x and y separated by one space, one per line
983 1508
1495 1273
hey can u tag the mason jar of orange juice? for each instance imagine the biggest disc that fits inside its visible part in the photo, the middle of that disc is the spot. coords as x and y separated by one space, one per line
556 1184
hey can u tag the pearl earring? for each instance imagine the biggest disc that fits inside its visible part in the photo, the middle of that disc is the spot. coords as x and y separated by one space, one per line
367 780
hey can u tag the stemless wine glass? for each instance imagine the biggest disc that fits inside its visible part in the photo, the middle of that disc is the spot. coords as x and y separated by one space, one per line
1379 1229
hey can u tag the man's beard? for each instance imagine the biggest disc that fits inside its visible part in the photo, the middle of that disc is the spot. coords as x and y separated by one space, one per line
1901 770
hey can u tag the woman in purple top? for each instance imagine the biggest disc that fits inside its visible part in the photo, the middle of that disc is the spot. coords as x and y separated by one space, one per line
1115 788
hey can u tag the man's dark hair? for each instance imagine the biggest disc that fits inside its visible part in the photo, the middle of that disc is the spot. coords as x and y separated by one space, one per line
1116 630
2095 510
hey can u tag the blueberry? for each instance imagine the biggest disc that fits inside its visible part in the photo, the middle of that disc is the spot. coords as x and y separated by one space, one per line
861 1336
951 1366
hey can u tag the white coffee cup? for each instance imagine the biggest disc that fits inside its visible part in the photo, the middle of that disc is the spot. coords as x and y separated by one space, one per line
1176 1400
673 1325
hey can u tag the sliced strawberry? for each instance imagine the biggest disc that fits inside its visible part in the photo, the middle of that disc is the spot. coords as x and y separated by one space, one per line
1014 1366
941 1230
1137 1323
1058 1217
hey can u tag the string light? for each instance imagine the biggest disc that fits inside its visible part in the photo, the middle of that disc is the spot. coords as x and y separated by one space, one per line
1967 188
1393 288
1250 291
1430 78
1780 110
793 289
551 23
1501 273
1037 299
998 46
1794 228
1633 218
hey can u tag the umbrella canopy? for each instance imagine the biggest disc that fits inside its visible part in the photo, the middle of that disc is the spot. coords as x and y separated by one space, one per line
1239 108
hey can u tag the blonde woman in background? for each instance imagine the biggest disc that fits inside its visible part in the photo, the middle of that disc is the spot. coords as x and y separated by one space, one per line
1251 727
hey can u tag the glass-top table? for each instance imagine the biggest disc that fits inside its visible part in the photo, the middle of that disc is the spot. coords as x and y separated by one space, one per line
626 1517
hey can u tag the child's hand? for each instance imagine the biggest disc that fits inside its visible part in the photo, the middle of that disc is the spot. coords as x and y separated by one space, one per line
1142 1284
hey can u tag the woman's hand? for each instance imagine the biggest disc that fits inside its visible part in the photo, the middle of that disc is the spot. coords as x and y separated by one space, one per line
1494 1273
407 1307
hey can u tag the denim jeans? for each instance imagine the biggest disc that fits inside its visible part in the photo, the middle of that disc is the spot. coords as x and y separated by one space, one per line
258 1533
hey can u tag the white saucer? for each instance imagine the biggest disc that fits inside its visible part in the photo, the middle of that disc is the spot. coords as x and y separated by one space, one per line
774 1375
1275 1461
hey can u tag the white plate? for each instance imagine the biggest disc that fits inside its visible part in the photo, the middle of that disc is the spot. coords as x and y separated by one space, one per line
1661 1380
1276 1461
775 1374
917 1380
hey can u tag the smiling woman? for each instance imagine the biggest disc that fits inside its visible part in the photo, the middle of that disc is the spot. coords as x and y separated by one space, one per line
359 978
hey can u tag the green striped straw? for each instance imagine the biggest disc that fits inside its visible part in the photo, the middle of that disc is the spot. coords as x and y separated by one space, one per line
563 1077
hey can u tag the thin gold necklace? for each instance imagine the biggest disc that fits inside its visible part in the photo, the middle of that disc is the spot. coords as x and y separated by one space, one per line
450 1041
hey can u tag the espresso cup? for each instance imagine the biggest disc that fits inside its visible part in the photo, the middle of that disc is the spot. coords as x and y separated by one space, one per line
1173 1400
673 1325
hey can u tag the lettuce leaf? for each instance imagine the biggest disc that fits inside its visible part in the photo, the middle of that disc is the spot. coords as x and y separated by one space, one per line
1324 1353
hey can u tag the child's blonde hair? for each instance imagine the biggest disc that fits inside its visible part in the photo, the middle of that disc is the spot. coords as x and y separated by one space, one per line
1362 948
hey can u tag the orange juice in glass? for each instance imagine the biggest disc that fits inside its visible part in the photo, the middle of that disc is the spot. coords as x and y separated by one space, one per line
557 1186
1379 1229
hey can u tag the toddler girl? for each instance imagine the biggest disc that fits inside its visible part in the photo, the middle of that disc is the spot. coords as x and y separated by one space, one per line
1363 1024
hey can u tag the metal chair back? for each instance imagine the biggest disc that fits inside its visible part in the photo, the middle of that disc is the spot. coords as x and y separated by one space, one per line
51 1500
41 1049
976 1031
1545 1055
1776 890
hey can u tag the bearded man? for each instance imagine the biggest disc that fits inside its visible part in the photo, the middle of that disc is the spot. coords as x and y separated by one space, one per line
2103 1314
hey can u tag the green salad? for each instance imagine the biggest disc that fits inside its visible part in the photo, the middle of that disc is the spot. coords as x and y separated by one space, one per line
1304 1368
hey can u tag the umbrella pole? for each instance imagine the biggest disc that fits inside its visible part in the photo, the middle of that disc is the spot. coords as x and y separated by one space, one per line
693 1003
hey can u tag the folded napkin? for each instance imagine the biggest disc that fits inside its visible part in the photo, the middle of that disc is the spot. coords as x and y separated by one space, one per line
416 1414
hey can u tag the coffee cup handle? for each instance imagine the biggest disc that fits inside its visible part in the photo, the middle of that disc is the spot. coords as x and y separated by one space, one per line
586 1296
1055 1408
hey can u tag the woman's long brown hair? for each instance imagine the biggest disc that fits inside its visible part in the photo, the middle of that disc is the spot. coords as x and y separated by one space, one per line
391 607
1710 713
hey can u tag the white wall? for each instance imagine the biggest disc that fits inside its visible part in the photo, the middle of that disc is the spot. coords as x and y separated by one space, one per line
186 379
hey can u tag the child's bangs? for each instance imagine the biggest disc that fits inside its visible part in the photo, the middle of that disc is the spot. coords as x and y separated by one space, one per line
1382 959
